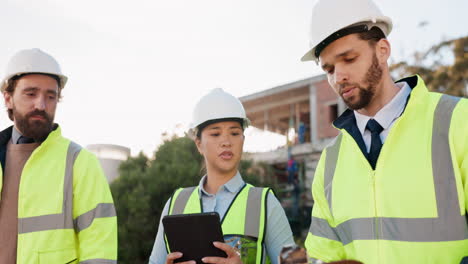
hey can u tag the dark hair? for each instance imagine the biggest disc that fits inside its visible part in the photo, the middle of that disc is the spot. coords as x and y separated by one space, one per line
372 36
10 88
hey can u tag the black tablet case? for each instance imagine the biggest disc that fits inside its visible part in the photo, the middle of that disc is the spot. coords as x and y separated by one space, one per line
193 235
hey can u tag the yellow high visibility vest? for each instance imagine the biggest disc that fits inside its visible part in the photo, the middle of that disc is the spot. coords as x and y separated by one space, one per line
412 207
245 217
65 209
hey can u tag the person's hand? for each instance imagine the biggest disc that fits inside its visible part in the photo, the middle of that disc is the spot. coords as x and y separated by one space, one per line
233 257
175 255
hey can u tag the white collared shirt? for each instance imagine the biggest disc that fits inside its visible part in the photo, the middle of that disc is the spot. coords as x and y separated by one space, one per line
385 116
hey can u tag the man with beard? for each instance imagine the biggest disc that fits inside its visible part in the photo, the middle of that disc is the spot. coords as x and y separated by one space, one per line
55 203
393 186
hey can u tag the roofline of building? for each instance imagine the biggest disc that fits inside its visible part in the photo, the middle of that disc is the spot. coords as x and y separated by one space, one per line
283 88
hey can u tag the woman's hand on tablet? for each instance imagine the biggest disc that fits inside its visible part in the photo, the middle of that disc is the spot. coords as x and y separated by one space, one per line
233 256
175 255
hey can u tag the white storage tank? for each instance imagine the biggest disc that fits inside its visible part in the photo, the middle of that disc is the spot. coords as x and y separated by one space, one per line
110 157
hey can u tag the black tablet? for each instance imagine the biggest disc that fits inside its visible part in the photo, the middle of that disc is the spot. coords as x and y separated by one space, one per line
193 235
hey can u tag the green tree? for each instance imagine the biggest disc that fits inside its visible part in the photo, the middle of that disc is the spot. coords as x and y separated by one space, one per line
444 67
131 198
145 185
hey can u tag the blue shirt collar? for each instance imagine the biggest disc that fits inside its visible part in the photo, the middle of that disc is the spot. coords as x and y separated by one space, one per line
233 185
15 135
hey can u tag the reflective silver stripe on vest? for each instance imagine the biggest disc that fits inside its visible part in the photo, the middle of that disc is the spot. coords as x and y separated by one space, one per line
330 161
252 213
442 168
85 220
63 220
320 227
399 229
450 225
181 200
99 261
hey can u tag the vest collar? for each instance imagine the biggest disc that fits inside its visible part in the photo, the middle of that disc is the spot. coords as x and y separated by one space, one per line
418 90
5 135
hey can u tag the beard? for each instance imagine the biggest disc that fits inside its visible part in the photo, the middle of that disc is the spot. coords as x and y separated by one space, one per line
365 94
35 129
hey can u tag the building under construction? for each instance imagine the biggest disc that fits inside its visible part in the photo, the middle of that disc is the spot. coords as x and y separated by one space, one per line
303 111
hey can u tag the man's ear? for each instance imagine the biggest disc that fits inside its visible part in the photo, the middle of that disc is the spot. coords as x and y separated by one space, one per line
8 100
383 50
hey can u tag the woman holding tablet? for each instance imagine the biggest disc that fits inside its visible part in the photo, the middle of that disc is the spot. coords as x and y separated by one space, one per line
253 222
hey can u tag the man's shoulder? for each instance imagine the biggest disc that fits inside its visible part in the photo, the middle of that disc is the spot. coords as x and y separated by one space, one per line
436 96
5 135
459 126
80 154
74 146
463 104
459 105
86 154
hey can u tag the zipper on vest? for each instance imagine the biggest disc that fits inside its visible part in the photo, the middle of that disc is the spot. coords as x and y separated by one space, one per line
376 218
376 222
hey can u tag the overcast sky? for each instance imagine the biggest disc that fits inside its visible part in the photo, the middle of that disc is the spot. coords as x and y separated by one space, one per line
136 68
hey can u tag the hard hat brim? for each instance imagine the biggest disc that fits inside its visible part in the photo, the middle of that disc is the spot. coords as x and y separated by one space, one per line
63 78
309 55
193 131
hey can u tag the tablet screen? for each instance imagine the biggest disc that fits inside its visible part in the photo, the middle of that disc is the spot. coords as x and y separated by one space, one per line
193 235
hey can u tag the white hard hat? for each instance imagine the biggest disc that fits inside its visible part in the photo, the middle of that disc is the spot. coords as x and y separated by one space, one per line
217 105
330 16
32 61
